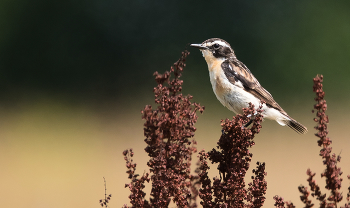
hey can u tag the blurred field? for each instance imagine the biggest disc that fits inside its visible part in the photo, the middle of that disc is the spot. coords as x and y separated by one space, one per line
55 153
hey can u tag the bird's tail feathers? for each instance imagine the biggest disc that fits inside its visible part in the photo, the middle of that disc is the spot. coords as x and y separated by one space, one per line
295 125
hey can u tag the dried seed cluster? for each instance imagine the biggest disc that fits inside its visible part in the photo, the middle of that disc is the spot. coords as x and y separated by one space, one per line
233 158
332 172
168 130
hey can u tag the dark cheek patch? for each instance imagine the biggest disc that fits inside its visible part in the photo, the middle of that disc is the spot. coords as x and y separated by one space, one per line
222 52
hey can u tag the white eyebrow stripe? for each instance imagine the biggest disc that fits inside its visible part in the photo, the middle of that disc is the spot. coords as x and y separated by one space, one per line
218 42
221 43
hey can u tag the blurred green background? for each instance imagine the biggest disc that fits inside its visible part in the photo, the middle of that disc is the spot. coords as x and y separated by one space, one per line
74 76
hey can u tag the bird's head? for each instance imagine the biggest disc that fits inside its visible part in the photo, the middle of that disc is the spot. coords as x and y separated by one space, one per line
214 49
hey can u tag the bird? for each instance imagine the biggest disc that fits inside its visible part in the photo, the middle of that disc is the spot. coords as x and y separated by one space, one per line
235 86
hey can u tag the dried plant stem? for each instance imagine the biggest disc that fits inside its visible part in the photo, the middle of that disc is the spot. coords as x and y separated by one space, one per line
107 198
105 191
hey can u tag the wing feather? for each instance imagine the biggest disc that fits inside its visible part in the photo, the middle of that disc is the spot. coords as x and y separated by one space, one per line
237 71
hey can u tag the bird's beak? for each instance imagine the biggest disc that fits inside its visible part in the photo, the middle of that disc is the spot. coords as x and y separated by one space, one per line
199 46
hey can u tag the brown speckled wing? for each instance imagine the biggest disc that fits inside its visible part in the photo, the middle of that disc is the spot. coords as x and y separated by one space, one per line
237 71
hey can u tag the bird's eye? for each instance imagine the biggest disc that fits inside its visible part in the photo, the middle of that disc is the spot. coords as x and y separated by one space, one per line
216 46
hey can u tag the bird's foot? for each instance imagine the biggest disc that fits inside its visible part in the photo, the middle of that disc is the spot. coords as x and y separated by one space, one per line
249 122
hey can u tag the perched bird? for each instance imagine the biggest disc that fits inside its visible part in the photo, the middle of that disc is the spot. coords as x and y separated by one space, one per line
235 86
